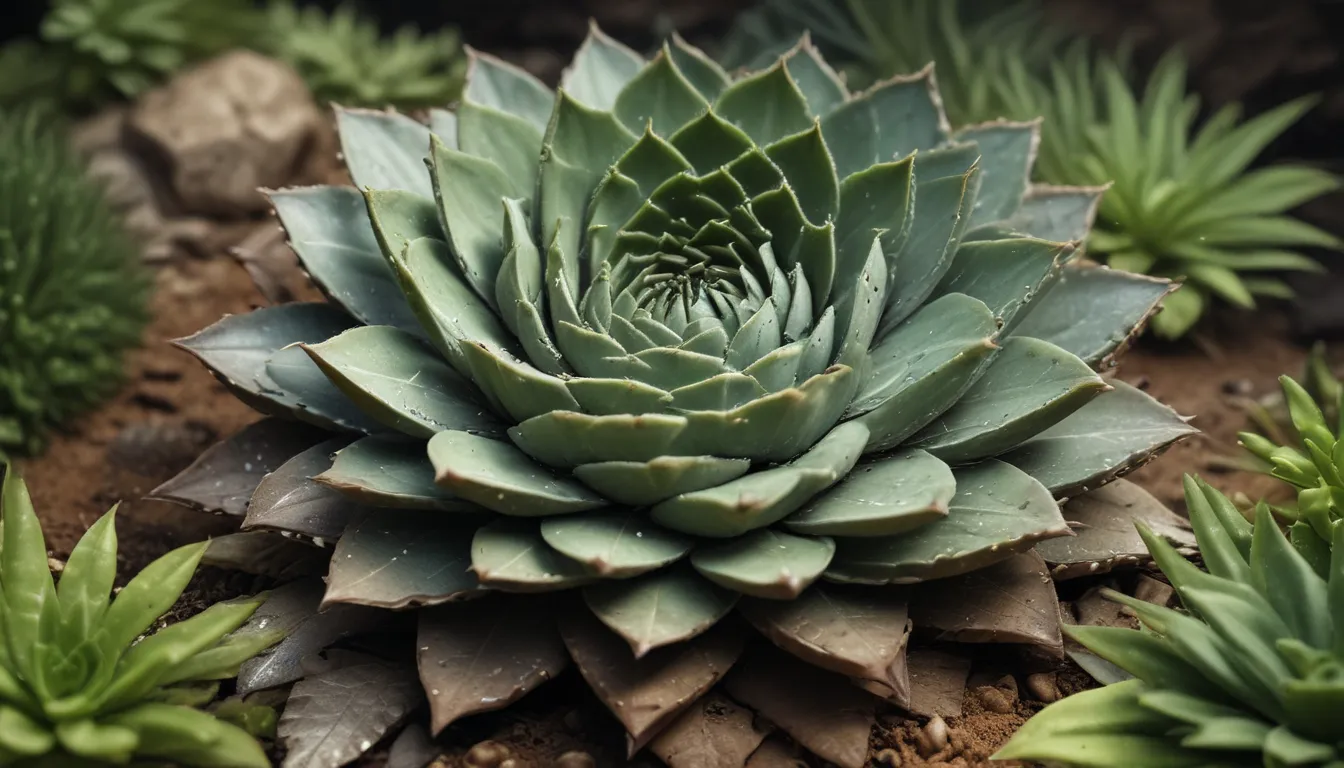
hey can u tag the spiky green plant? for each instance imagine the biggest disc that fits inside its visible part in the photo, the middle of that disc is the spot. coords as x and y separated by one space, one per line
345 59
1181 203
77 680
95 50
1269 415
1314 464
72 289
682 343
1251 673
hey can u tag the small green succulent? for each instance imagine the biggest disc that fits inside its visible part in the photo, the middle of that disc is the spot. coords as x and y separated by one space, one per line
78 682
685 346
1251 673
72 288
95 50
1269 415
1314 465
1181 202
345 59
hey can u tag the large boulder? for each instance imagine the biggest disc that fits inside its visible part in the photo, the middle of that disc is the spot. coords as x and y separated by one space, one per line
227 127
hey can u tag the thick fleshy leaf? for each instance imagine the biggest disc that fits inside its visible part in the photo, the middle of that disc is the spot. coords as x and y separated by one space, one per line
660 94
765 563
703 72
1062 214
512 143
1113 434
767 105
888 496
470 192
642 483
924 368
496 83
292 378
763 498
329 229
289 500
389 472
1028 387
30 598
832 721
483 655
1104 523
384 150
821 85
1005 274
614 544
997 512
808 169
856 632
335 716
888 121
600 69
1009 602
500 477
394 559
1007 153
879 200
713 732
647 694
660 608
511 556
224 477
1093 311
401 383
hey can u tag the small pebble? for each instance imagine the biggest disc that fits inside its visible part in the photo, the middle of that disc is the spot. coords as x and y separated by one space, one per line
889 758
487 754
510 763
995 700
575 760
1242 387
1007 683
1043 687
933 739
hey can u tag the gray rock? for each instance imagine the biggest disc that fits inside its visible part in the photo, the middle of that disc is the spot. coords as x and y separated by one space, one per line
231 125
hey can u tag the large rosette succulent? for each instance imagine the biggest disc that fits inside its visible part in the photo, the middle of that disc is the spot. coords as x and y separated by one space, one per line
680 344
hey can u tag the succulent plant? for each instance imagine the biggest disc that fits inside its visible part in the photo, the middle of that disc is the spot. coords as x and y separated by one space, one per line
1313 465
1269 415
681 346
1250 673
72 290
78 682
345 59
1181 203
93 50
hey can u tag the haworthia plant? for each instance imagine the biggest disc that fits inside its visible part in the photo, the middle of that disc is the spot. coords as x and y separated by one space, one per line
685 345
82 684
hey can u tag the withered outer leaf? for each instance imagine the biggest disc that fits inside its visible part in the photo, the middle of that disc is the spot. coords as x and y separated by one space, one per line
775 752
820 710
713 733
224 477
648 693
1103 521
335 716
853 631
482 655
265 553
1010 602
937 682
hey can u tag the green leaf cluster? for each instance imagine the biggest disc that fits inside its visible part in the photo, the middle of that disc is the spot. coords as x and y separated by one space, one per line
72 288
1314 463
345 59
80 680
680 342
1181 201
1251 673
92 51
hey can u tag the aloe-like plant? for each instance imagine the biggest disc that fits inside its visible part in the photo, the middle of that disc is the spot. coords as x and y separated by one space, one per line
72 287
1314 464
345 58
1251 673
1180 204
95 50
683 346
78 682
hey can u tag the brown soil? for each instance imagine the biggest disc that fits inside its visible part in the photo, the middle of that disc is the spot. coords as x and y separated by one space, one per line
171 409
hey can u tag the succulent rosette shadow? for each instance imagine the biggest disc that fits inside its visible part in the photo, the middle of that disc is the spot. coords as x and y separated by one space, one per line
681 345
